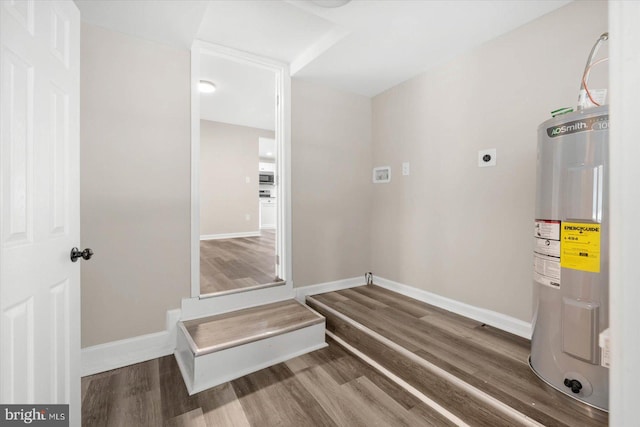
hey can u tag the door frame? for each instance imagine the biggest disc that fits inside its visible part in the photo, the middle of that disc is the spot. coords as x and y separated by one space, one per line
283 155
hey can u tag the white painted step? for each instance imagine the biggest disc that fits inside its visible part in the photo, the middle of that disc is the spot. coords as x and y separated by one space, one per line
216 349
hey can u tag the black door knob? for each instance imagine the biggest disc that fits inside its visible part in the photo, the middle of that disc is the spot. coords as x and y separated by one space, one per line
77 253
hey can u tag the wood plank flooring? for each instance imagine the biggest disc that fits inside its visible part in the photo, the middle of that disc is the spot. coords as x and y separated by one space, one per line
328 387
215 333
490 360
237 264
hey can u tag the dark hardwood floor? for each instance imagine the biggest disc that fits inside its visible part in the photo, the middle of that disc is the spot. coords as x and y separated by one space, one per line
237 264
331 387
490 360
328 387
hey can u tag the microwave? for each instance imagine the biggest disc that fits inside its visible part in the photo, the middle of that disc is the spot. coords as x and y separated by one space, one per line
267 178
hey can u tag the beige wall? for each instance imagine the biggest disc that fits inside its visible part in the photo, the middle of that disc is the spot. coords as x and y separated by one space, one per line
135 191
330 183
228 155
450 227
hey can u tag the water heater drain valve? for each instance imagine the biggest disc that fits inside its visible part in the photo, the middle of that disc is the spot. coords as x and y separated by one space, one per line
574 385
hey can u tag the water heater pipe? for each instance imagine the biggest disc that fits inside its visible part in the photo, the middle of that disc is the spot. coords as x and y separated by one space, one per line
582 97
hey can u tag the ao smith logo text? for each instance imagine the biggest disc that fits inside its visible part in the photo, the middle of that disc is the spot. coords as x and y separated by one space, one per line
575 127
583 125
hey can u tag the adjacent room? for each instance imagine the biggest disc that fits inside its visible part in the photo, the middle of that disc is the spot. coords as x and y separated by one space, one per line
320 212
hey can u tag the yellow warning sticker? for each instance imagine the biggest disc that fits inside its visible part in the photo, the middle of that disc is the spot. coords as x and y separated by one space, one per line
580 246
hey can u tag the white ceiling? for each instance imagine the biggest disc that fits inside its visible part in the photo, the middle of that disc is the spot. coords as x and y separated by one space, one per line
364 47
267 148
173 22
245 95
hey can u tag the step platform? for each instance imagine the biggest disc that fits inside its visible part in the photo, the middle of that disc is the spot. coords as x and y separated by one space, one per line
216 349
469 372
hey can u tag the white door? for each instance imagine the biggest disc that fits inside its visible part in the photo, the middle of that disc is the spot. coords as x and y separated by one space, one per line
39 222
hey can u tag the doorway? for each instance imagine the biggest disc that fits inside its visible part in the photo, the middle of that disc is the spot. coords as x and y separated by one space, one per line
239 172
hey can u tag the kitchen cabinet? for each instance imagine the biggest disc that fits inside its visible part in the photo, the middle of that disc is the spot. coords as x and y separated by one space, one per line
268 212
266 167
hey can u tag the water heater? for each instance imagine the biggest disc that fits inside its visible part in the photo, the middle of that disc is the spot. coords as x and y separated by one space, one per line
571 262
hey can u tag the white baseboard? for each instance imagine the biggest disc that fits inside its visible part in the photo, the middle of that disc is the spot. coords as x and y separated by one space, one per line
116 354
321 288
230 235
193 308
492 318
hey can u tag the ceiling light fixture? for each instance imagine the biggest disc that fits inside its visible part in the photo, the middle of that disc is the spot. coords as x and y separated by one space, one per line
330 3
205 86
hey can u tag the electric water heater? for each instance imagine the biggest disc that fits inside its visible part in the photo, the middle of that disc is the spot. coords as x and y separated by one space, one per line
571 261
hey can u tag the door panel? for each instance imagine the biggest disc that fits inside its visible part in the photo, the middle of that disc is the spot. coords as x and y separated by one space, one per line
58 157
17 336
17 146
60 334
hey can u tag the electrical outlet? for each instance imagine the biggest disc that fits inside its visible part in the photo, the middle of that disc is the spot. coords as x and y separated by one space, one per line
247 217
405 168
247 179
487 157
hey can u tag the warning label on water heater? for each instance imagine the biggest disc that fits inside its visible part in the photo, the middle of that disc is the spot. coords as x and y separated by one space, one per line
546 252
580 246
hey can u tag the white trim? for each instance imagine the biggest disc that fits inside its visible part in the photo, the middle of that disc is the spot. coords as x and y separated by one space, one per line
624 48
283 155
492 318
230 235
322 288
116 354
209 305
240 290
283 174
195 172
317 48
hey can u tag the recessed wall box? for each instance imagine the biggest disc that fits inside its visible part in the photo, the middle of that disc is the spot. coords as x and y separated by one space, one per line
381 174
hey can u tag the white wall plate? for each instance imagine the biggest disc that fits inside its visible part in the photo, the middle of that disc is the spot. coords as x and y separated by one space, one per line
381 174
